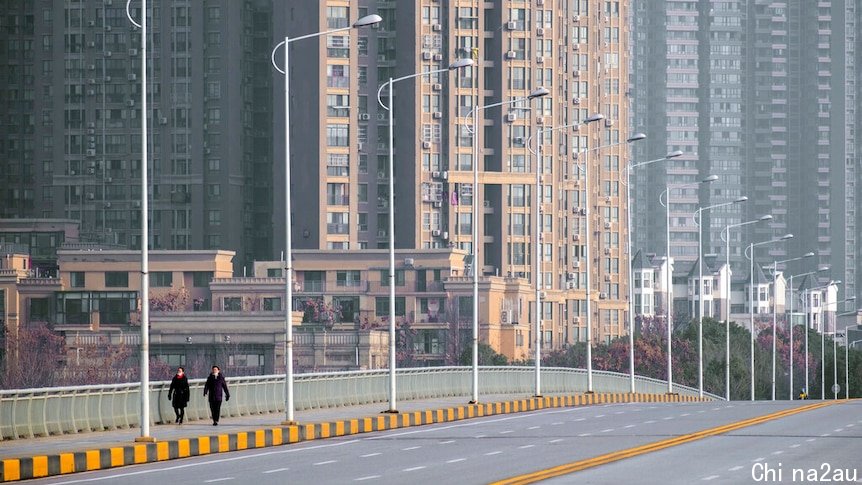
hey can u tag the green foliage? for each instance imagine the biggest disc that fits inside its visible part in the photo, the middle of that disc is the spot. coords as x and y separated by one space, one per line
487 356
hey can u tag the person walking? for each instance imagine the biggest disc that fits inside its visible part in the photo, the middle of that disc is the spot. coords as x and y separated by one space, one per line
216 388
178 394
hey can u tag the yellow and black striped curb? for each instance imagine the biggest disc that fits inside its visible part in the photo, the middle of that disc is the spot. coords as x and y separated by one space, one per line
99 459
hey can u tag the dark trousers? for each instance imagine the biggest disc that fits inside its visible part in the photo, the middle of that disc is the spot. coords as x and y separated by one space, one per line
180 412
215 410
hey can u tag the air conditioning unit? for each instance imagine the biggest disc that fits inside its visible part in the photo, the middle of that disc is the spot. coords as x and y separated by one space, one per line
381 233
576 237
438 115
607 277
438 57
108 54
510 55
435 174
130 102
108 205
540 60
91 92
91 131
540 2
136 203
576 264
540 120
445 235
437 87
437 27
91 171
91 67
133 77
540 32
364 116
91 153
92 81
133 52
603 296
91 196
510 117
576 73
426 144
435 233
426 56
444 175
109 180
504 316
607 251
570 276
570 285
381 175
607 225
408 262
576 18
91 23
609 123
486 203
107 79
518 140
437 203
511 25
163 120
91 44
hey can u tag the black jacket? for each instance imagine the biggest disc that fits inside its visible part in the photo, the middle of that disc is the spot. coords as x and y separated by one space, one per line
216 388
179 391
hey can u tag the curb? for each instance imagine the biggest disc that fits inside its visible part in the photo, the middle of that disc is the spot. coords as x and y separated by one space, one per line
41 466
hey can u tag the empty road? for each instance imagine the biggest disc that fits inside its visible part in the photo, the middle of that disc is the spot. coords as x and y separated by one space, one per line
496 448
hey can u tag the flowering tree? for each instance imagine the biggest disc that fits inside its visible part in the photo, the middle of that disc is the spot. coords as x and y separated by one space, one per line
171 301
34 355
316 310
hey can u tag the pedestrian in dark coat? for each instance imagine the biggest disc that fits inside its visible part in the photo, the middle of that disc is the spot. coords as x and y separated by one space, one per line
216 388
178 394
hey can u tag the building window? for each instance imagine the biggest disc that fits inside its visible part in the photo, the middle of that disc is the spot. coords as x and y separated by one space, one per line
349 278
161 279
381 306
272 304
116 279
273 273
399 277
201 279
337 135
77 279
232 304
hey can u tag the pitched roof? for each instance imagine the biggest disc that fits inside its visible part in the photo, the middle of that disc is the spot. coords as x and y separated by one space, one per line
759 277
640 262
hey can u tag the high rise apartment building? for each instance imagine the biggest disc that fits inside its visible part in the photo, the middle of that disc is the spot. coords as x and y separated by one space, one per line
577 49
70 139
765 95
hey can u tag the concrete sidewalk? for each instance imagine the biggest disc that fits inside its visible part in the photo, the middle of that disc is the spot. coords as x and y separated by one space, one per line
56 455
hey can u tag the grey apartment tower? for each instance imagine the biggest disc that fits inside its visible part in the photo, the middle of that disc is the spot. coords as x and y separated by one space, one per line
70 130
764 94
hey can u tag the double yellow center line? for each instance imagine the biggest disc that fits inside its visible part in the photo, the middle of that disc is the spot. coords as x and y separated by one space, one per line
650 447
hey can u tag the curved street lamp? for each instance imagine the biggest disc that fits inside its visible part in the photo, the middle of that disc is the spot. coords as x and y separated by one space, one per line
365 21
790 320
458 64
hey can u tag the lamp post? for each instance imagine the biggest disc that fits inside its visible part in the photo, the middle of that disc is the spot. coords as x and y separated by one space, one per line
474 114
822 339
775 309
629 168
145 235
538 241
458 64
790 319
669 273
847 363
698 214
750 255
835 348
288 263
587 255
726 236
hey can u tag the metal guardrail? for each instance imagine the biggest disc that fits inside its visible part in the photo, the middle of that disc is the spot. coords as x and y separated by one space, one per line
28 413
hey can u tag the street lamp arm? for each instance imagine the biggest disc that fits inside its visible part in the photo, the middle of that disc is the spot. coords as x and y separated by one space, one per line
129 14
272 57
494 105
402 78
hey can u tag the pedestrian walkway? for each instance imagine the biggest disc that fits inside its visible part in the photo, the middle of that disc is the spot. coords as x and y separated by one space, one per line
55 455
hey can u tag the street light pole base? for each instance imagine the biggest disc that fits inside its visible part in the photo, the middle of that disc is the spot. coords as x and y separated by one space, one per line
671 394
589 392
389 411
289 423
472 402
145 439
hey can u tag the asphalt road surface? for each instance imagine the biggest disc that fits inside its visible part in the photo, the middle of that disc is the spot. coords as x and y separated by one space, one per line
485 450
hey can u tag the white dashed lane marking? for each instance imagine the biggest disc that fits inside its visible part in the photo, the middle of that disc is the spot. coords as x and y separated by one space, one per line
327 462
507 431
411 448
413 469
525 447
447 442
369 477
738 467
277 470
456 460
492 453
556 440
369 455
711 477
534 427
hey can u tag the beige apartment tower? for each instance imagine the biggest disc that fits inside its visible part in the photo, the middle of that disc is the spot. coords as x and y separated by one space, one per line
339 141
